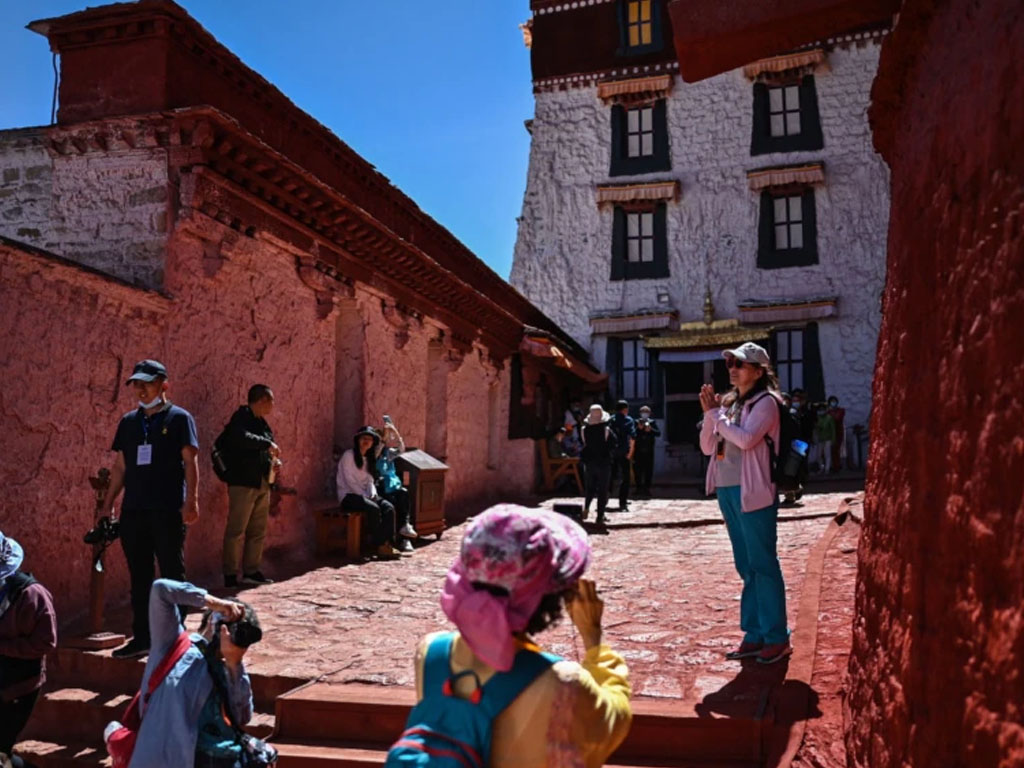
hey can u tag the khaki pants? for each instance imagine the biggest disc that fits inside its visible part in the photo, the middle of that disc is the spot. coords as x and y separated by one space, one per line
248 509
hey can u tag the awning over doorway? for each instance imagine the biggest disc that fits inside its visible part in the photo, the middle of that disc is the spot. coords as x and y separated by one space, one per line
716 336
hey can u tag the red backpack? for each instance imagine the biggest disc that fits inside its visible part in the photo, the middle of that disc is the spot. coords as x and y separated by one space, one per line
121 743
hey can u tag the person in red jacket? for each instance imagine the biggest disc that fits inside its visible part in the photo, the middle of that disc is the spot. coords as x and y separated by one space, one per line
28 631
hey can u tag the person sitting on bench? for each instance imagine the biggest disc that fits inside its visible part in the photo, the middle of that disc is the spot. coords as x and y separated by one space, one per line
357 491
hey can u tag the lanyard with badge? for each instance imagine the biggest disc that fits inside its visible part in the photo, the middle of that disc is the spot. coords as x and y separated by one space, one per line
731 417
144 452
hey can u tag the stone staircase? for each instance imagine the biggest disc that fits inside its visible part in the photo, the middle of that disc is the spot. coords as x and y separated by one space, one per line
351 726
85 690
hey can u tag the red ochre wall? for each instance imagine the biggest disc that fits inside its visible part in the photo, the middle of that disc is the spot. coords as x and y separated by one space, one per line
69 336
938 652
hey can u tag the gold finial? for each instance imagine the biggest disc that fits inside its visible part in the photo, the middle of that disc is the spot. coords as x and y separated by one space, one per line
709 308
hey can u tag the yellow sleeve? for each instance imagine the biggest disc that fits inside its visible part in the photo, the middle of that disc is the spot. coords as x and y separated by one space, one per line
602 712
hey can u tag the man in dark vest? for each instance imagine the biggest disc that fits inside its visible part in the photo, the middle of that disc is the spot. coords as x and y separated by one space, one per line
643 458
28 631
252 454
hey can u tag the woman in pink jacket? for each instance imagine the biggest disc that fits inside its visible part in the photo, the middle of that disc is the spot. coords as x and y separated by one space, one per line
733 435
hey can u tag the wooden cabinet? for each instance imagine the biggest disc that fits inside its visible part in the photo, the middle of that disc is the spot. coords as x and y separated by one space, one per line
424 476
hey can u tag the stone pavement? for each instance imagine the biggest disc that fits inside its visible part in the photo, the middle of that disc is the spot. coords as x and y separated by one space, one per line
664 568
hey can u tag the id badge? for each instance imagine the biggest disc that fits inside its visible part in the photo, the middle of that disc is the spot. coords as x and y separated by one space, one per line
144 455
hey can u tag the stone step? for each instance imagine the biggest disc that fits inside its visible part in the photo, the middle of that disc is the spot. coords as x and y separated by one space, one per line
98 670
374 716
79 715
335 754
50 754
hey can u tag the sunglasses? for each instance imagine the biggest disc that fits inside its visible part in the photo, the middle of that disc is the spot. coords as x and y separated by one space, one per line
733 362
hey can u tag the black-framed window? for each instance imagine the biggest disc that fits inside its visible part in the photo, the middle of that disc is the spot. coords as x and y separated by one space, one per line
639 245
789 358
634 373
786 117
639 26
797 357
787 229
639 139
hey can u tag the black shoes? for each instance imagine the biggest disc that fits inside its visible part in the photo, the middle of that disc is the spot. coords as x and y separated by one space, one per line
256 578
133 649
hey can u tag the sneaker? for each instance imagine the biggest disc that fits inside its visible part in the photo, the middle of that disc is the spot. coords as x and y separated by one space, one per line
745 650
408 532
256 577
774 652
231 581
405 547
131 650
387 552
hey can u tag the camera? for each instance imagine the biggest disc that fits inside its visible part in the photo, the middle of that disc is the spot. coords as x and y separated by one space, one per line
243 632
104 532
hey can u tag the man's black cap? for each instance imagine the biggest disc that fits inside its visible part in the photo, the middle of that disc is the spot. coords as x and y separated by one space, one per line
147 370
621 404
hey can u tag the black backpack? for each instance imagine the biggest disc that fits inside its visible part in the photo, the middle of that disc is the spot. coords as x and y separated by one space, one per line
219 455
786 459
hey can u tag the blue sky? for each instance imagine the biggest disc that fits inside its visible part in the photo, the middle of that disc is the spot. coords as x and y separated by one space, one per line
433 93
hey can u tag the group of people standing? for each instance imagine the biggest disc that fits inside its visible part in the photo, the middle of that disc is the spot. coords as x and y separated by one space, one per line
614 450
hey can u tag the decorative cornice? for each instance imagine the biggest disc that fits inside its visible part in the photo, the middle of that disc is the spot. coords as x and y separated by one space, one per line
631 193
591 79
800 61
788 310
805 174
542 7
643 321
635 89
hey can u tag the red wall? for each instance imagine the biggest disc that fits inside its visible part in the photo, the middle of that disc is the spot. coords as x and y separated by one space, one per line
936 669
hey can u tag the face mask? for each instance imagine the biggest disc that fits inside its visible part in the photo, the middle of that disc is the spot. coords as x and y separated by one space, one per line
153 404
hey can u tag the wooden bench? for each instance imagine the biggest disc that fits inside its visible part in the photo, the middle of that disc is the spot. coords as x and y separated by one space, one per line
555 468
330 519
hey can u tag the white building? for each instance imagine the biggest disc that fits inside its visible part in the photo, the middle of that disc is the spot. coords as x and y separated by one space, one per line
665 221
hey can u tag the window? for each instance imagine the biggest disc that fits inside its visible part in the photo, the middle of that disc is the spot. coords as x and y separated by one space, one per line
640 237
638 22
789 222
784 110
639 248
786 117
634 371
640 132
639 139
797 359
640 26
789 359
787 230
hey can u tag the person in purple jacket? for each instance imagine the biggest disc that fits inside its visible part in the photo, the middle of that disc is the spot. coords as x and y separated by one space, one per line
733 434
28 631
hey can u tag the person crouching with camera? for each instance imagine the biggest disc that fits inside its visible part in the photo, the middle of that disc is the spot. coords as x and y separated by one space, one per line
193 717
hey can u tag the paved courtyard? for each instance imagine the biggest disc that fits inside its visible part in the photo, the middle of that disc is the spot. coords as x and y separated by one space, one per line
664 569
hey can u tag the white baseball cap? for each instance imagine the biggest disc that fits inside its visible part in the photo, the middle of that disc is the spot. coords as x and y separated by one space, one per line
749 353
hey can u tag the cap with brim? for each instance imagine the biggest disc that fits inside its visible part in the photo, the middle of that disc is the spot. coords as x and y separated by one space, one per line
602 414
11 556
368 431
147 370
749 353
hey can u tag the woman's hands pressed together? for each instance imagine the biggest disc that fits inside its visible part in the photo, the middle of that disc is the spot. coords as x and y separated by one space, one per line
708 398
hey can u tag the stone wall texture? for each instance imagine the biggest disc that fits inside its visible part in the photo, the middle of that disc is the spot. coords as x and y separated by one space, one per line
231 311
938 653
563 251
106 210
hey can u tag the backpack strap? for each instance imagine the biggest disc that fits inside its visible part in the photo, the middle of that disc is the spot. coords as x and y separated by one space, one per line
503 688
182 644
437 666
